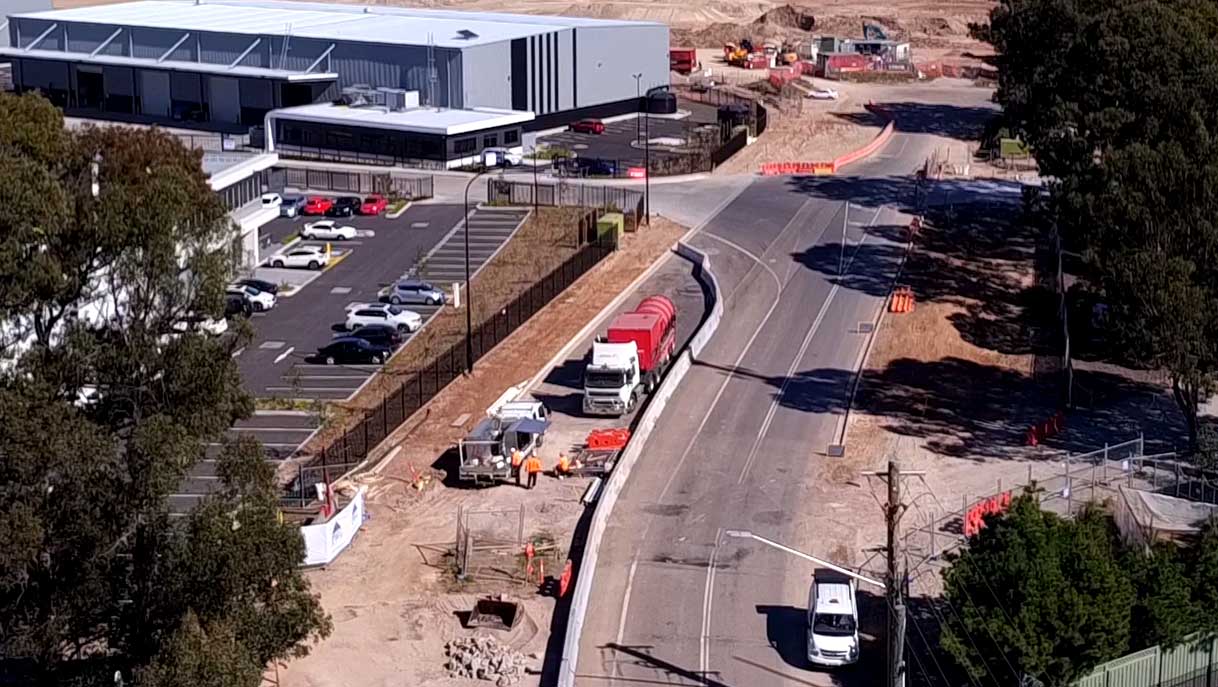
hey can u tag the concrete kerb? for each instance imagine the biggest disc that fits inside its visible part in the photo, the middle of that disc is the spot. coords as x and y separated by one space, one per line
617 479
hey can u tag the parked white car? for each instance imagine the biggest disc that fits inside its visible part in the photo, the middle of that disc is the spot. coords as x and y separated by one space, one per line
312 257
206 325
259 300
370 306
823 94
327 230
393 316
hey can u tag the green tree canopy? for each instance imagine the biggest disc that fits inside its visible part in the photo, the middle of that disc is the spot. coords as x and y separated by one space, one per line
1037 594
1119 101
107 398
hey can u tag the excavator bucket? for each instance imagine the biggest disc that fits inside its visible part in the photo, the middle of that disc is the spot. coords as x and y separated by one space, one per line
494 613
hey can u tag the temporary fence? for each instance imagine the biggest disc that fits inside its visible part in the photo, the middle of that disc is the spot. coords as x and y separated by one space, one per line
756 116
606 198
1063 487
419 386
488 544
389 184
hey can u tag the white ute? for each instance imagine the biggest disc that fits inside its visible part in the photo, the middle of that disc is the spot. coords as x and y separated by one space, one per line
833 619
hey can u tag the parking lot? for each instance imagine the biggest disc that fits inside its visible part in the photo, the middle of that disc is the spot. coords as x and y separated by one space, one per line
276 363
618 141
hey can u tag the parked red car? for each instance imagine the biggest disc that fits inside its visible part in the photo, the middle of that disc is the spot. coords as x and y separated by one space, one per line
373 205
317 205
588 126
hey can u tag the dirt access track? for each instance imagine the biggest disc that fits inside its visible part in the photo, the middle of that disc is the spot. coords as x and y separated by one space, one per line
393 596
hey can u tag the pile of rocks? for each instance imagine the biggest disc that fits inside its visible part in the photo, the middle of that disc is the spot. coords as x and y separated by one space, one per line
483 658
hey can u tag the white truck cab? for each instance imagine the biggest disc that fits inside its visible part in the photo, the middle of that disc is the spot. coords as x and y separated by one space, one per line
612 378
833 619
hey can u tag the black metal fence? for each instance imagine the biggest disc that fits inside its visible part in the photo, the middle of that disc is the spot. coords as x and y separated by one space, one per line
756 115
605 198
703 159
394 185
420 386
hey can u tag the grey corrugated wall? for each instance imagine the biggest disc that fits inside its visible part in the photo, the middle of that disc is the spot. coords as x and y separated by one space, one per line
607 57
486 75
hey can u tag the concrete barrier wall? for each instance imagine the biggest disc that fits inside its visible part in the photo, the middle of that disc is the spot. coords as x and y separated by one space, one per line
617 479
876 143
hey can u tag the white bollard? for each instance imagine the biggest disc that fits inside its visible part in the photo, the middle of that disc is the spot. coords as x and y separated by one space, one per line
456 294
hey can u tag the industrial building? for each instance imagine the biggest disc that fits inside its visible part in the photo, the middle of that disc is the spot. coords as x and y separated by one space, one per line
226 64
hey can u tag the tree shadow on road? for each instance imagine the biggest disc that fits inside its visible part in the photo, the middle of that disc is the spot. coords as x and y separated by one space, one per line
961 122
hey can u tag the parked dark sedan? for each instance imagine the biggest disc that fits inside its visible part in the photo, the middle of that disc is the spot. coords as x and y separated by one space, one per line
260 284
345 206
379 334
348 350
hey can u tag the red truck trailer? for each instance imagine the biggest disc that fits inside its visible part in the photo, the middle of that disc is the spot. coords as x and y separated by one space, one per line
630 360
682 60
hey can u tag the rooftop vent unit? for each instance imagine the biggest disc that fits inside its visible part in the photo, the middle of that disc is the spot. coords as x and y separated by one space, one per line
466 34
361 95
398 99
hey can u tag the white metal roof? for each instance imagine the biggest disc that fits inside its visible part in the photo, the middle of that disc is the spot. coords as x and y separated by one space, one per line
366 23
169 65
420 120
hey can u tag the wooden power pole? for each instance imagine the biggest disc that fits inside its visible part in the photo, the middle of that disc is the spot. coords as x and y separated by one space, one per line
894 578
896 604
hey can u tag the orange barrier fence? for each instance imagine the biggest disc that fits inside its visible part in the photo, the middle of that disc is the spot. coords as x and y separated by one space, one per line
1049 428
974 518
770 169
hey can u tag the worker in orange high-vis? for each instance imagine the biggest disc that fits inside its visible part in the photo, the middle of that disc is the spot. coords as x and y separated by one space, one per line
517 460
532 465
563 469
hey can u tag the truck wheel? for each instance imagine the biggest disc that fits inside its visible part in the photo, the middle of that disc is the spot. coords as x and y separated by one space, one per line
634 401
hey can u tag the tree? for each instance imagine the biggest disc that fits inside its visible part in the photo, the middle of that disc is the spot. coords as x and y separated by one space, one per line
1119 102
1037 594
1164 612
108 396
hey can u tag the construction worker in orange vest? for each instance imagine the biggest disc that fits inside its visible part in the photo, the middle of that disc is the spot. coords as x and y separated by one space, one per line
532 466
517 459
563 469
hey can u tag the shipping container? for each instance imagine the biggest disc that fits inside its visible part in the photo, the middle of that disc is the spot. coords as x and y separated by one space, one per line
682 60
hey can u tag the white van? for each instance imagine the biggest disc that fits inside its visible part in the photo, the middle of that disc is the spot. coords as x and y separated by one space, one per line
833 619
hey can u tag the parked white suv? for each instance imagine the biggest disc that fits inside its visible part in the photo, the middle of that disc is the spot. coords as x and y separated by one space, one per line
395 317
312 257
258 300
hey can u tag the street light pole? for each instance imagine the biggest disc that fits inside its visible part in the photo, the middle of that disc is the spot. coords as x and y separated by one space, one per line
647 171
745 534
638 100
534 179
469 296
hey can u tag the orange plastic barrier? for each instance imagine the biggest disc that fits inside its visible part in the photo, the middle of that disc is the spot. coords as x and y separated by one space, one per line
974 518
608 438
1039 432
564 582
770 169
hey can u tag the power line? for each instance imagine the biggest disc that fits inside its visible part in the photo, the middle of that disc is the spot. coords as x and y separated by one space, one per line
930 652
943 623
1001 652
917 660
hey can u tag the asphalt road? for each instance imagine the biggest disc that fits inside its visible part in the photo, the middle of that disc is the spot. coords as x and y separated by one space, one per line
674 600
562 387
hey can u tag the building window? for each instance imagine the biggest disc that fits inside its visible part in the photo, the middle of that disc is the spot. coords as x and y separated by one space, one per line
511 137
465 145
490 141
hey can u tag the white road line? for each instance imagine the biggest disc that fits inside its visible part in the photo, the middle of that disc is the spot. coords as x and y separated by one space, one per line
239 351
803 349
707 598
777 281
279 358
621 623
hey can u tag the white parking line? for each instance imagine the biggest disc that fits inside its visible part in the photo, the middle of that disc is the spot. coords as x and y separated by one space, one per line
285 354
239 351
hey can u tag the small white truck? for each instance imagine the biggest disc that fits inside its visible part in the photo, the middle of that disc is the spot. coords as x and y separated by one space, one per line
484 454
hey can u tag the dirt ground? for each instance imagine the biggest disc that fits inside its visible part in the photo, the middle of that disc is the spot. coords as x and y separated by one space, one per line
805 130
392 593
937 29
